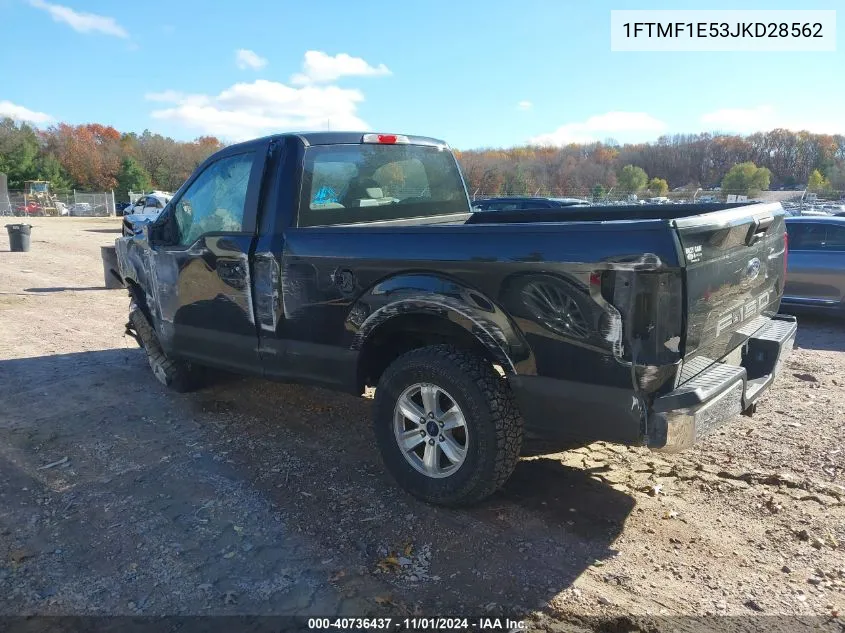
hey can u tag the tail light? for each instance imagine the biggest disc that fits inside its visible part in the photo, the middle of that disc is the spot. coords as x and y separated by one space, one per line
385 139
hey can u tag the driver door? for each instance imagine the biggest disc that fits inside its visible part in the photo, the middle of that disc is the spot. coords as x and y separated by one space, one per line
201 272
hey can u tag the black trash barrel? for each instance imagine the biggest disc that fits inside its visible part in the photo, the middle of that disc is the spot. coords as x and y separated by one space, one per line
19 237
111 273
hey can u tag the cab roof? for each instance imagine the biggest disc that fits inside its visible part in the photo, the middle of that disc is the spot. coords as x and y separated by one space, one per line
341 138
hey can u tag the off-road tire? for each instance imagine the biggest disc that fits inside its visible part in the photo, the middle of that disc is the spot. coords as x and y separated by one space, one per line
175 374
492 418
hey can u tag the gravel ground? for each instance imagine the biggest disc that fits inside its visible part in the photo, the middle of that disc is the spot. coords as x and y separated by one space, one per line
251 497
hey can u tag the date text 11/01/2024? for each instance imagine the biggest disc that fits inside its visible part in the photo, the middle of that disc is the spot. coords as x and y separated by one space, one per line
418 624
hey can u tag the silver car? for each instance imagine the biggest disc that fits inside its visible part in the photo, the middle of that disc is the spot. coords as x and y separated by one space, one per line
815 275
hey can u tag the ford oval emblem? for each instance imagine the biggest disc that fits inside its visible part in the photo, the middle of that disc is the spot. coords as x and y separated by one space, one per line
753 269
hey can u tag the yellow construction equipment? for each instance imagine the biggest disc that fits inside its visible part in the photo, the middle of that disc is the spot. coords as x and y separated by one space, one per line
37 198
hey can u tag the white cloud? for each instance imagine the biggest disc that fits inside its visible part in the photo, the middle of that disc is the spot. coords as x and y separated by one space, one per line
764 118
319 67
740 120
524 105
248 110
82 22
246 58
20 113
624 126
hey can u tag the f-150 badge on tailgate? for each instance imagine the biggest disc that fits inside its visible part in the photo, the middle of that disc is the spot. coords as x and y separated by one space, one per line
742 312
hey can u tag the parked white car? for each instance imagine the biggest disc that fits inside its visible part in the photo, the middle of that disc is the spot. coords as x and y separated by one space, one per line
145 210
83 209
149 204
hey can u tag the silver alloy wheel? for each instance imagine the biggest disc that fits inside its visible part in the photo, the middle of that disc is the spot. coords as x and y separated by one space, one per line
430 430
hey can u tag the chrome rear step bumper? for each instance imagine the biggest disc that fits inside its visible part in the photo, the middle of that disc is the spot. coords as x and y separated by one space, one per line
679 418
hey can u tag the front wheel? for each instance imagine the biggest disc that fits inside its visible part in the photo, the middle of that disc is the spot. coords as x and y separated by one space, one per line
446 425
176 374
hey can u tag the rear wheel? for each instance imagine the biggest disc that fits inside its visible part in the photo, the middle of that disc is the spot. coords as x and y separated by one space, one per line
446 425
178 375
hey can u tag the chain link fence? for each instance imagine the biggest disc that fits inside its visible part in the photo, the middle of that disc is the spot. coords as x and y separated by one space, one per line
93 204
830 200
70 203
613 196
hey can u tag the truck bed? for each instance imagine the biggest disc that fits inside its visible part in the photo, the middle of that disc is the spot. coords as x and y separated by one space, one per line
674 283
610 213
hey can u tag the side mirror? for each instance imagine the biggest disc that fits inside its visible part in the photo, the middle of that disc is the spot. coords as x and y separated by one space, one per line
160 230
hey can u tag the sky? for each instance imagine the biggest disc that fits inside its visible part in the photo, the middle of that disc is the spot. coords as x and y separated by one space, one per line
491 73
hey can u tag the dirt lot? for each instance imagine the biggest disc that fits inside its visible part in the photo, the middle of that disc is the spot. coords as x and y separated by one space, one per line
249 497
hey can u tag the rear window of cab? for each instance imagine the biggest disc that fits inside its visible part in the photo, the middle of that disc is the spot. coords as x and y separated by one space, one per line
352 184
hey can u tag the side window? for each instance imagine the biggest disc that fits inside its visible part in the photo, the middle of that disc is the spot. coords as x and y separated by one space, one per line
835 238
215 200
808 237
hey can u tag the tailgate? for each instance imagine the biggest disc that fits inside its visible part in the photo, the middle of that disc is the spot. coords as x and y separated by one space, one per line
734 275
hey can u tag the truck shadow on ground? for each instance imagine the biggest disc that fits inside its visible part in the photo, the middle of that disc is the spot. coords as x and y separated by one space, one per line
523 546
311 455
566 498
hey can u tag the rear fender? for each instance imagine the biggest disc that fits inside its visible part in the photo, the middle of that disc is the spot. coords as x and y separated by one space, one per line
447 299
133 262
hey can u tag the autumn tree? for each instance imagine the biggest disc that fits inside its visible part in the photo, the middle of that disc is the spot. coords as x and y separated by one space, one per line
817 182
49 168
746 179
132 177
18 152
658 186
89 153
632 179
836 176
92 157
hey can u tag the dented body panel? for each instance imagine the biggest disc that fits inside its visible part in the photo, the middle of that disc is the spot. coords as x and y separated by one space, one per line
592 314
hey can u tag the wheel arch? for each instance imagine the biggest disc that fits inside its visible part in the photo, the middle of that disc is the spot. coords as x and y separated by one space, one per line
418 318
137 294
133 268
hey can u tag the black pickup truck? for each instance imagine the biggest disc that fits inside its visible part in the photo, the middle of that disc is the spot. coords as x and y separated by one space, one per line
351 260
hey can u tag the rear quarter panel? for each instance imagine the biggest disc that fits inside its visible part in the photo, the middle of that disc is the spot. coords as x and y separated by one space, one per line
337 284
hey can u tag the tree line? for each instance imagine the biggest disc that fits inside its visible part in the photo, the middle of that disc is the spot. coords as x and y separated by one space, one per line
94 157
779 158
